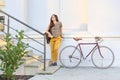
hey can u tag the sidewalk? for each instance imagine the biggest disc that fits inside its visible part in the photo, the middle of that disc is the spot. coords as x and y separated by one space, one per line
82 73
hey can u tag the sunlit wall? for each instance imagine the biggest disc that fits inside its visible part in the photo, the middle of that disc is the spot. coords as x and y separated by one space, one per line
104 17
2 4
97 17
72 13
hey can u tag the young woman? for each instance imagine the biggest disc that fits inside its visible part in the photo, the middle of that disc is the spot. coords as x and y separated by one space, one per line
54 31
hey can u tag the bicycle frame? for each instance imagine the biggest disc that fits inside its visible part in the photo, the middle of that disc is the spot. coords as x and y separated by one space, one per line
96 45
101 56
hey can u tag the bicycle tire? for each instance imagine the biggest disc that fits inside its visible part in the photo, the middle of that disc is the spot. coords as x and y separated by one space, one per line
70 53
105 60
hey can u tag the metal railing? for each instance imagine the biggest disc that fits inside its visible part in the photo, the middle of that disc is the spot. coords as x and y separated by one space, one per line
33 29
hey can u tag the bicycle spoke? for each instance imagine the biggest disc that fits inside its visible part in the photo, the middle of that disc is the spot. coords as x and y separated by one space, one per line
103 60
70 57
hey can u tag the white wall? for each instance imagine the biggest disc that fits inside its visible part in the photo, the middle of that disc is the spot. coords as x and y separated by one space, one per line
104 17
18 10
73 14
38 14
103 20
101 16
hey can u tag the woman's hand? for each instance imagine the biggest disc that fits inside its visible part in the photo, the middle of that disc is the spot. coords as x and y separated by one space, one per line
49 34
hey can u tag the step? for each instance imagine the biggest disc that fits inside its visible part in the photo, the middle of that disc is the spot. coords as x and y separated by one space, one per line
38 65
22 70
41 66
49 70
2 36
29 60
2 43
33 64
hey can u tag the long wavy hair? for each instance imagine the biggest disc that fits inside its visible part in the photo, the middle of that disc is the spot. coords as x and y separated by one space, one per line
51 21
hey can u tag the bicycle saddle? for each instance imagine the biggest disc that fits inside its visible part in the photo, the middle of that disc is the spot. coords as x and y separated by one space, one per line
77 38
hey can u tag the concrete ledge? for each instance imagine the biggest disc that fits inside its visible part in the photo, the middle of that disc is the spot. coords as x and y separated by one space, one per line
49 70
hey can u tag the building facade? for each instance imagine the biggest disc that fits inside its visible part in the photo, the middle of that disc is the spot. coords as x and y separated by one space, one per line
82 18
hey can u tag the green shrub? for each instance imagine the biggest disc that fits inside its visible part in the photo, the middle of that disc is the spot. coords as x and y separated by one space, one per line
11 55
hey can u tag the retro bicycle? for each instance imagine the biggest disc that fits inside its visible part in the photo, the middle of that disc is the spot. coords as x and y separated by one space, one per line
102 56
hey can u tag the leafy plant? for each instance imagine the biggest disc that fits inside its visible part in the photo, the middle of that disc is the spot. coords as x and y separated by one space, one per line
11 55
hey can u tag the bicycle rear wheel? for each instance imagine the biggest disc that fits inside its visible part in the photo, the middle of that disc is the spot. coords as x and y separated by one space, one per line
103 60
70 57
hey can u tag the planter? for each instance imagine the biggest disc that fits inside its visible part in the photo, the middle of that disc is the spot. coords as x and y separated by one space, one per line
19 77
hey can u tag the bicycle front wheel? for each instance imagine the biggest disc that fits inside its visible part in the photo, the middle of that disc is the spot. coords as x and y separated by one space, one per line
103 59
70 57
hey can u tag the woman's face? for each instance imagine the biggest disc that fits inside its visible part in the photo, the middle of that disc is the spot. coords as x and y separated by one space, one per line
53 18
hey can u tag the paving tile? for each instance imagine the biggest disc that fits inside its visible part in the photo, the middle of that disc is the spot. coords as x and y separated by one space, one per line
82 73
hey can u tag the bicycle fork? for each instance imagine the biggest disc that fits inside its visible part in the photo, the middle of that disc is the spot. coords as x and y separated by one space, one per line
99 50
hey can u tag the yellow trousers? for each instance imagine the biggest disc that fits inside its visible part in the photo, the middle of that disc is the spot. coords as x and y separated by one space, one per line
55 44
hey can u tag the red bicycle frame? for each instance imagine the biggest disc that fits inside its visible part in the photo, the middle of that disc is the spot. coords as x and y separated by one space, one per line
96 45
